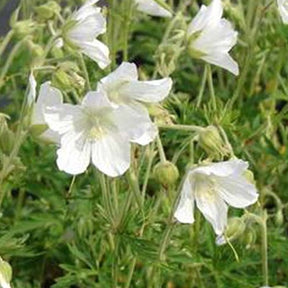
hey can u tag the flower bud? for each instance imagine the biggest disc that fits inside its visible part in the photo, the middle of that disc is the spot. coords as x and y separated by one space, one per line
166 173
7 140
3 123
235 228
211 141
161 115
249 238
23 28
66 77
61 80
5 274
37 52
48 10
166 59
279 218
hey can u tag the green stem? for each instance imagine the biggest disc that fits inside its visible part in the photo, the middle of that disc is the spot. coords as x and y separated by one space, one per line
165 240
6 41
85 71
202 87
134 185
161 149
127 24
106 198
131 272
264 250
10 58
211 87
190 128
148 170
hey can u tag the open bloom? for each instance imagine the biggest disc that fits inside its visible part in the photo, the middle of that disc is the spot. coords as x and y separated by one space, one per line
151 7
123 88
213 188
81 31
48 96
283 10
212 37
94 131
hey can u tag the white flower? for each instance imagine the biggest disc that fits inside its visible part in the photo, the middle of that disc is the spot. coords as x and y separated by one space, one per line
86 24
123 89
283 10
213 187
151 7
96 132
212 37
48 96
5 274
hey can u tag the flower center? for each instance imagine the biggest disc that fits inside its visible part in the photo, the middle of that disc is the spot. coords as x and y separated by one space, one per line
204 187
98 124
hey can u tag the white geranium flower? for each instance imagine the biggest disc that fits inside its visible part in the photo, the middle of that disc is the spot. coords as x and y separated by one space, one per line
151 7
283 10
214 187
212 37
94 132
81 31
48 96
123 89
5 274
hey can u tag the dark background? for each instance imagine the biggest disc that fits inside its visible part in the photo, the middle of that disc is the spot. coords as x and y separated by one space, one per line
5 14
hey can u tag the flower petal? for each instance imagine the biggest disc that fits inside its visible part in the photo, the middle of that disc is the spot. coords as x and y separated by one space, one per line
237 191
135 122
184 212
72 157
97 51
206 17
223 169
62 118
89 25
152 8
124 73
214 210
48 97
96 100
111 154
147 91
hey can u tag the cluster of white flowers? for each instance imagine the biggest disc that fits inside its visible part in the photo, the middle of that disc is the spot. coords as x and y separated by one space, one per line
101 129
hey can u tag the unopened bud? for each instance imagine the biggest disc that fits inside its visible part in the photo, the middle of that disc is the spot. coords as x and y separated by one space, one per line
5 274
160 114
212 143
61 80
48 10
37 53
249 238
279 218
23 28
235 228
166 173
7 140
3 123
66 77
